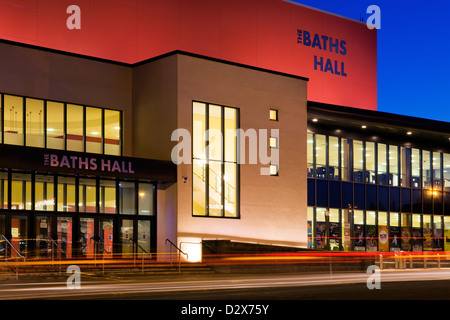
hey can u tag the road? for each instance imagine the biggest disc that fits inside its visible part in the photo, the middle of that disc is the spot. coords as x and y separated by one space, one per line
173 293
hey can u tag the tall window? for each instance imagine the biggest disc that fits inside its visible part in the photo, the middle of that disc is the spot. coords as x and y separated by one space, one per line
214 168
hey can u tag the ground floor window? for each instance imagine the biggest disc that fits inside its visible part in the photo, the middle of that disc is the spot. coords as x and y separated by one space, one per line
361 230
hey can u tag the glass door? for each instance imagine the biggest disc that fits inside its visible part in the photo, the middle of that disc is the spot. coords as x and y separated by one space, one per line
19 235
87 237
43 236
64 230
126 238
106 228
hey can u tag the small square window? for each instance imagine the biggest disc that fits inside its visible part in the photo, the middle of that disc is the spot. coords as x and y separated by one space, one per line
273 142
273 114
273 170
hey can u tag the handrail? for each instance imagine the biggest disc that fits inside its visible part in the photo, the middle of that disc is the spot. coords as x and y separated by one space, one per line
53 242
179 251
11 245
134 253
17 252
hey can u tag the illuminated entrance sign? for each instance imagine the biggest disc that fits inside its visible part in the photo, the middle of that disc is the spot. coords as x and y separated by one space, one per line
325 43
88 163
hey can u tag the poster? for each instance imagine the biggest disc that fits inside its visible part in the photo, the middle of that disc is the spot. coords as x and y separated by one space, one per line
395 238
427 239
447 239
371 242
383 237
335 236
406 239
309 226
320 235
416 239
359 238
346 240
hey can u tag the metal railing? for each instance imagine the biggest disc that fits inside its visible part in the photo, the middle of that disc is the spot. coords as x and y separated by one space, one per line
53 245
18 254
179 253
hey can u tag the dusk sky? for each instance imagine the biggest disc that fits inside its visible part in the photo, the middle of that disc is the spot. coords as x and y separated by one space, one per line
413 53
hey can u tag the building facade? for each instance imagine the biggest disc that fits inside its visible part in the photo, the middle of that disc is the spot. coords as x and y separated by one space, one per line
154 122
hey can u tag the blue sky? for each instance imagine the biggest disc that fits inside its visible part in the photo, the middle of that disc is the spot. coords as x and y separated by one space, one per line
413 53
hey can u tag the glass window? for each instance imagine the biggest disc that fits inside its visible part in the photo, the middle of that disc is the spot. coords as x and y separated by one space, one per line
437 178
44 194
215 169
358 161
393 166
370 162
13 120
426 169
405 167
333 158
64 231
75 127
127 200
21 191
416 223
3 190
415 168
107 196
94 130
87 195
145 203
273 114
34 122
394 219
55 125
310 156
126 237
321 156
345 159
66 194
382 164
446 158
106 235
87 244
113 128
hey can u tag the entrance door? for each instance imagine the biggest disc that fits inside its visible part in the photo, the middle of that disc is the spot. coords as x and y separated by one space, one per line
105 244
64 230
87 236
43 236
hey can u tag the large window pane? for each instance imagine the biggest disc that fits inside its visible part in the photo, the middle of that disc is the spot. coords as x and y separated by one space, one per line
405 166
426 169
21 191
382 164
393 166
215 133
87 195
370 163
199 128
415 168
199 187
437 178
66 194
13 120
113 129
145 203
310 155
230 134
3 190
44 193
215 189
35 122
358 161
143 236
94 130
230 184
446 171
127 197
55 125
321 156
75 128
333 158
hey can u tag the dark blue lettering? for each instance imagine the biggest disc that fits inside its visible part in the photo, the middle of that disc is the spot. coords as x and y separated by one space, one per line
316 42
334 45
342 70
299 36
343 48
328 66
318 63
306 38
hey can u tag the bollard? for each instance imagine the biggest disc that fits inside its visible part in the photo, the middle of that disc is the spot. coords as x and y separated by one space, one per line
424 262
410 262
439 261
396 262
381 262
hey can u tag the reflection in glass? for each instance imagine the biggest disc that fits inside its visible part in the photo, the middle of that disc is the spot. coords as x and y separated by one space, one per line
55 125
75 128
145 202
127 197
66 194
94 130
44 194
126 237
34 122
13 120
113 129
